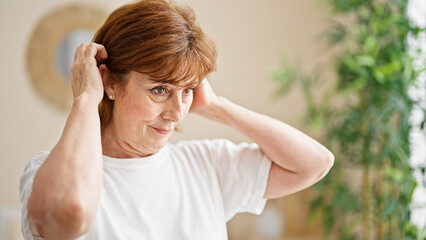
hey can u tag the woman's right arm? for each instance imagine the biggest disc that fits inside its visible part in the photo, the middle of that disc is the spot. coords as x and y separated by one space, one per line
66 188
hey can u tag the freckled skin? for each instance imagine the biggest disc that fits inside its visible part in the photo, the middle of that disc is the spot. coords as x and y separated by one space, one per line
137 109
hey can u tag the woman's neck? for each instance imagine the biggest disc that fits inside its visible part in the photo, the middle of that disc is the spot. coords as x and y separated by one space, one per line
114 146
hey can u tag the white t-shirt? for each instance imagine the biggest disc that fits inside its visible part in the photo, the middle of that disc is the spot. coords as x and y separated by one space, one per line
187 190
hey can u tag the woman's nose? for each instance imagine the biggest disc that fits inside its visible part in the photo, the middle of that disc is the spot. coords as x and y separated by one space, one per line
175 108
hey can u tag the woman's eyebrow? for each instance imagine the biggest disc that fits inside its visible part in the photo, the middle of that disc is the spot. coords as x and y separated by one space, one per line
153 82
188 84
196 83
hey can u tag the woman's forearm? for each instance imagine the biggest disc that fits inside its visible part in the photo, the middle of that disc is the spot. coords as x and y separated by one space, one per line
67 186
284 145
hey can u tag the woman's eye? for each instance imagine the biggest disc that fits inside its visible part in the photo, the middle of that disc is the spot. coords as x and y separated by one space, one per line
159 90
188 91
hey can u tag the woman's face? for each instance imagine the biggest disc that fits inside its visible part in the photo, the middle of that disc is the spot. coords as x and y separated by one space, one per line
146 113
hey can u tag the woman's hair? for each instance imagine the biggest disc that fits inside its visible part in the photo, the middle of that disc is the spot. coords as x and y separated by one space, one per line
158 38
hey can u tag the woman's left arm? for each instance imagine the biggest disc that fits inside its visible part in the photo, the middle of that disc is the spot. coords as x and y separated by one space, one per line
298 161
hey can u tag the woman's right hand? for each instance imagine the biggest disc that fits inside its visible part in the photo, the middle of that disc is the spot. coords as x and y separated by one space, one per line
85 76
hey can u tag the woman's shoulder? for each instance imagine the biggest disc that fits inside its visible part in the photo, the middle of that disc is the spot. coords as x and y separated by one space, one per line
200 152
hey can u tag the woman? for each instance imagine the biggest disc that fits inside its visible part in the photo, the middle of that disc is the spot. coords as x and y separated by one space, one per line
112 175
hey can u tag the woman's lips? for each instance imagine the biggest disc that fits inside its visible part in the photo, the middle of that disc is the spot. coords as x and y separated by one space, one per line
161 130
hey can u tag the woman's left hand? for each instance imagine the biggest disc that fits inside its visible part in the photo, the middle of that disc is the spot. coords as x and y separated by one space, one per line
205 99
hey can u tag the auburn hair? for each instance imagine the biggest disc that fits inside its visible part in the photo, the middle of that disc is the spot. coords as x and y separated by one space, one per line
155 37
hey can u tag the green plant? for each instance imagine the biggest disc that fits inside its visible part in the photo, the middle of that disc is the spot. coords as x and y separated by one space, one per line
368 192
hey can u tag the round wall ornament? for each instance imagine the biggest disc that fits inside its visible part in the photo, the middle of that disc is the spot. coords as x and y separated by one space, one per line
51 47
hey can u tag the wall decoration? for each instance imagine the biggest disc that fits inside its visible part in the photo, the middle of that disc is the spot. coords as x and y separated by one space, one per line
51 49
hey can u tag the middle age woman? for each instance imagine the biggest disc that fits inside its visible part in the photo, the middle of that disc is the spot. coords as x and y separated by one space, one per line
113 174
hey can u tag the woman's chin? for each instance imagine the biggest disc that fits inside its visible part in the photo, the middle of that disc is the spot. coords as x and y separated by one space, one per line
158 145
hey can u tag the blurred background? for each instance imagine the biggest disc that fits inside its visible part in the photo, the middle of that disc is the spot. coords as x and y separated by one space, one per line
37 45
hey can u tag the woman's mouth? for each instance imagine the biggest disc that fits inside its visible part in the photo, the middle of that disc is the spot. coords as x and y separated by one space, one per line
162 130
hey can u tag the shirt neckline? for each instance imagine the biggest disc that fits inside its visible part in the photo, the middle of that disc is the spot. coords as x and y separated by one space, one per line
154 159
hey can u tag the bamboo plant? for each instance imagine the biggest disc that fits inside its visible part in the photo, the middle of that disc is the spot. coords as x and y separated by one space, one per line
365 121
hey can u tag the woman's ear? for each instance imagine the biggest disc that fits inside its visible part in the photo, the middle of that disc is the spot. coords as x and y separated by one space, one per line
106 79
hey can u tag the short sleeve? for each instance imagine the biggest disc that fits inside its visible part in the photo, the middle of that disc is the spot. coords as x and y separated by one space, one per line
243 172
25 188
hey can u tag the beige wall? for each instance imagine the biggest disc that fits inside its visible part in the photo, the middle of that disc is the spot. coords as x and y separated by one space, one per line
250 34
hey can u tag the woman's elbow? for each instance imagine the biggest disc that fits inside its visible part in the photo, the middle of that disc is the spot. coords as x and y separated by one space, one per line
67 219
74 217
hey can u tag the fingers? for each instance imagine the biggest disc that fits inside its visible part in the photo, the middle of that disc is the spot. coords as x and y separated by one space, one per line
98 51
91 50
79 52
